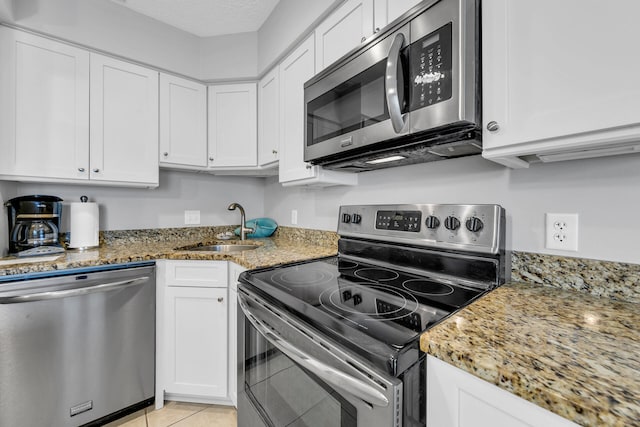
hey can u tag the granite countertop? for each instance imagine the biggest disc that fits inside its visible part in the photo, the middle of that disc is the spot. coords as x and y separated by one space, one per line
287 245
569 352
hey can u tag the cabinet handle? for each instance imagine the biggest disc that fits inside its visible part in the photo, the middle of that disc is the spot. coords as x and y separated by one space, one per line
80 169
96 170
308 166
165 154
274 151
220 299
493 126
211 159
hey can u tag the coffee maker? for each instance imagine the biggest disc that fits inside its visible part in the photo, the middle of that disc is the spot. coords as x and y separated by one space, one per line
34 221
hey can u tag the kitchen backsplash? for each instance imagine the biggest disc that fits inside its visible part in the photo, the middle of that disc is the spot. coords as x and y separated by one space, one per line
620 281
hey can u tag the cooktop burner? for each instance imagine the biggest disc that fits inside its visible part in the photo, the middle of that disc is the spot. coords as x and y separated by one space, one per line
376 274
427 287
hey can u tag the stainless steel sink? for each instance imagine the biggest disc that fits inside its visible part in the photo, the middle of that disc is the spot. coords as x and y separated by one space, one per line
221 248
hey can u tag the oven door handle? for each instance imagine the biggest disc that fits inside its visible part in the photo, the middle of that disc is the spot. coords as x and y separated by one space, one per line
391 84
331 375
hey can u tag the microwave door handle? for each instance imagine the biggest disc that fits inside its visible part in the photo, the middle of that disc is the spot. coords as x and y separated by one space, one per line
327 373
391 84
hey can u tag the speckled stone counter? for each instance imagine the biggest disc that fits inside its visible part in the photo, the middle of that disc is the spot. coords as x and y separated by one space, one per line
569 352
287 245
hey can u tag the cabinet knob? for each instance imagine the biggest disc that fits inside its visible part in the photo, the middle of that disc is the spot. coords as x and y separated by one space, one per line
274 151
96 170
493 126
211 159
362 39
80 169
220 299
377 30
308 166
165 154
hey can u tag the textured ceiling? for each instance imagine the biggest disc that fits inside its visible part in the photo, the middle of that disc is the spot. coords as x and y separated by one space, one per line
206 18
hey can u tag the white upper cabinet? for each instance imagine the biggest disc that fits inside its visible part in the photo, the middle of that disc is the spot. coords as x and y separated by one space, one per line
269 118
552 86
183 122
44 108
124 122
233 125
388 10
67 115
343 30
295 70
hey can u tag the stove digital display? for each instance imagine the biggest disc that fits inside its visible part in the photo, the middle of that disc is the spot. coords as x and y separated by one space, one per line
399 220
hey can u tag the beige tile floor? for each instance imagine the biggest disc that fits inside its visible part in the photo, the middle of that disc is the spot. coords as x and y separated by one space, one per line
179 414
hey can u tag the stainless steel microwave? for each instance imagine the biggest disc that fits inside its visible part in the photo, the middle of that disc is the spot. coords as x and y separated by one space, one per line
409 94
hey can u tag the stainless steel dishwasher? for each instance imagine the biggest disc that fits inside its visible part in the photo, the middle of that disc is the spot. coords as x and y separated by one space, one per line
77 348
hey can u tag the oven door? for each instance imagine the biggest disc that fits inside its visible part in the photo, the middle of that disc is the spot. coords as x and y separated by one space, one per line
363 101
289 375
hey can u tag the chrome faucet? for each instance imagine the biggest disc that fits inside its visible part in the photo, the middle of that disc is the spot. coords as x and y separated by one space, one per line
243 229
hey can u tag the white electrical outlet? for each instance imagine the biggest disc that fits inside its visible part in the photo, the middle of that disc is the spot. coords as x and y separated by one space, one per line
294 216
561 231
191 217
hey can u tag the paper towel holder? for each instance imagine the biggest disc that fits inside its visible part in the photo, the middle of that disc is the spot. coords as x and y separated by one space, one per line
84 234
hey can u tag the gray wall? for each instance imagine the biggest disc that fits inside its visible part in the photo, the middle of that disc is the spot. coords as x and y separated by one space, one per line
604 192
106 26
131 208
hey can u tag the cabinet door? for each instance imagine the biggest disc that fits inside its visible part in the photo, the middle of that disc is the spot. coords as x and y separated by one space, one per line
561 85
343 30
44 107
124 122
196 341
268 117
183 122
457 398
295 70
233 125
387 11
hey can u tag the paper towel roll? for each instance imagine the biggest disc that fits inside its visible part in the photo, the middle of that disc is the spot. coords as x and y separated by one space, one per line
85 221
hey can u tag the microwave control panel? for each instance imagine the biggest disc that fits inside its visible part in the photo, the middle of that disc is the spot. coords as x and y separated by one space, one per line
430 68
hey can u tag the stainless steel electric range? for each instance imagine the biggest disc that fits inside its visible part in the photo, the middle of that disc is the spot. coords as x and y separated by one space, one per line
335 341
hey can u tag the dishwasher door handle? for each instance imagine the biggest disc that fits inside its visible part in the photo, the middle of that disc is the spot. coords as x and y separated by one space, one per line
104 287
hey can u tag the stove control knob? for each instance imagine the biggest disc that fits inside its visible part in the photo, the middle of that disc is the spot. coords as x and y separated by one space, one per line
432 222
346 295
346 218
474 224
452 223
357 299
356 218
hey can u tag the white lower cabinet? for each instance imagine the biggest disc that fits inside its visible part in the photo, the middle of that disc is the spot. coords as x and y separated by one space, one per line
192 332
234 272
456 398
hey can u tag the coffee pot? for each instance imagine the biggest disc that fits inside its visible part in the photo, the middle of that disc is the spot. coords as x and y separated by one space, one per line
33 221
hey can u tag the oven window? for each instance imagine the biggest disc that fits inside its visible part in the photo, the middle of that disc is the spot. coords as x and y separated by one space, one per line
357 103
286 394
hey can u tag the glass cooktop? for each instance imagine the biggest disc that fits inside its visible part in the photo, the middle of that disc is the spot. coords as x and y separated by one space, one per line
389 306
